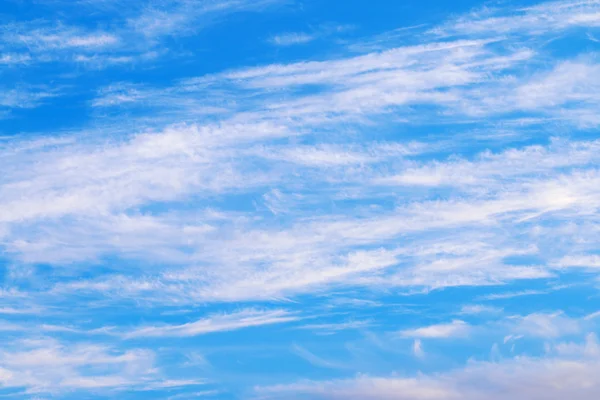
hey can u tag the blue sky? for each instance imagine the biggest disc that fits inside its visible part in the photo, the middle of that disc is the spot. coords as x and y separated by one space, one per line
278 199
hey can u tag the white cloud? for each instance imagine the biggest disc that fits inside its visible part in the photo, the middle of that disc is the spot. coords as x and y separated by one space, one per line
313 359
592 315
117 94
217 323
545 325
290 39
46 365
536 20
24 97
331 156
163 159
591 261
19 310
589 349
521 378
182 17
15 58
417 348
331 328
510 295
298 38
479 309
463 78
56 38
136 34
456 328
298 246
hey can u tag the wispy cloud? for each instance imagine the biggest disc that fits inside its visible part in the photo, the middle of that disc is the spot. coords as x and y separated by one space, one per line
545 325
323 31
331 328
313 359
185 16
135 34
538 196
25 97
534 20
290 39
479 309
418 348
19 311
512 377
47 365
591 261
217 323
510 295
456 328
56 38
15 58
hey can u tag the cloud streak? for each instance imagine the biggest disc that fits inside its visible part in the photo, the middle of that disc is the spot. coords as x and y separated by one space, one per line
217 323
